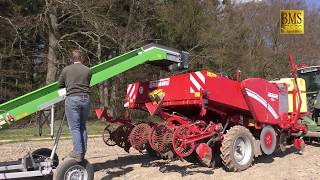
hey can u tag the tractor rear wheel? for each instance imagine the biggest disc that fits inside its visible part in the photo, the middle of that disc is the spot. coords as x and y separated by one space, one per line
237 149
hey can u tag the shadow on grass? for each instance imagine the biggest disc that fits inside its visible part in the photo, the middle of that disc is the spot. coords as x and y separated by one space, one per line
24 134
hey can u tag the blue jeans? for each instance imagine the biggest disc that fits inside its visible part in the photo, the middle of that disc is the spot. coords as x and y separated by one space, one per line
77 109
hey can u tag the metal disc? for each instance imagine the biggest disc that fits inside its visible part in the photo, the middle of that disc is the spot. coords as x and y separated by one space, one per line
268 140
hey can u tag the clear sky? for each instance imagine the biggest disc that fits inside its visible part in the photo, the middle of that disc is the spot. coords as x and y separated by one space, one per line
313 2
308 2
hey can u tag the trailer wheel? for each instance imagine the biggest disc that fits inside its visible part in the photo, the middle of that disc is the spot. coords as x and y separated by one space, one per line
237 149
70 169
40 155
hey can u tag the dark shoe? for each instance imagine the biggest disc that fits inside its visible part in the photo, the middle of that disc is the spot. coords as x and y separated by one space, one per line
76 156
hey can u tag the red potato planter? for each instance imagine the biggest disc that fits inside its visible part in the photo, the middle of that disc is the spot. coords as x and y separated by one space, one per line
205 114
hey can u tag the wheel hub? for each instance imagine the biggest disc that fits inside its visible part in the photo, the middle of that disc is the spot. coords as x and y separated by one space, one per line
239 153
242 150
268 139
76 173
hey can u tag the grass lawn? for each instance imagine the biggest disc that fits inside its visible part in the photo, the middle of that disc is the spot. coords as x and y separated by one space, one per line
25 134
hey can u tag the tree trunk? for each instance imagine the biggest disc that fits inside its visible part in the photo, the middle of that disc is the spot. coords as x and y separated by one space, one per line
104 94
103 87
118 89
52 59
52 54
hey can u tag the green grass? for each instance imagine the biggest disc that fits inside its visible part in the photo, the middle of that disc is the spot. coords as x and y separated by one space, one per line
25 134
94 127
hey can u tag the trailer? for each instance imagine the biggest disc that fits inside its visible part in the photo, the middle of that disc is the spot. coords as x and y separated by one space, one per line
207 117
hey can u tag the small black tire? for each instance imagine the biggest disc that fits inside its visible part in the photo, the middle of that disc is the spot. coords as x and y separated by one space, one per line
237 149
70 167
40 155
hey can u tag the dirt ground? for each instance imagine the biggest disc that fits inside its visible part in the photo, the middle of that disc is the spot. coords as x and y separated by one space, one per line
115 163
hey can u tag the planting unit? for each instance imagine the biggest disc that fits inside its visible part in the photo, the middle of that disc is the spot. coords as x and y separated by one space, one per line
207 117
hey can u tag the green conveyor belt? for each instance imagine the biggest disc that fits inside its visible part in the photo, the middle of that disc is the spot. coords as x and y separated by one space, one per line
34 101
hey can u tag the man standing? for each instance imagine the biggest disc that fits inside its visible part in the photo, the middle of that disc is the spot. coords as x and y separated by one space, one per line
76 79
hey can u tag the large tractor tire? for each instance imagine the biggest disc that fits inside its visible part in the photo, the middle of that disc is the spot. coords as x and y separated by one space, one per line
237 149
70 169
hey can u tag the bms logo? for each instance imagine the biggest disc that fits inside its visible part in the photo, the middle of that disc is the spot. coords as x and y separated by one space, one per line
292 22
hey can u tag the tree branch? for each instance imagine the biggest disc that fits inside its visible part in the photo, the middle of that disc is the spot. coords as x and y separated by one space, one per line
17 36
68 18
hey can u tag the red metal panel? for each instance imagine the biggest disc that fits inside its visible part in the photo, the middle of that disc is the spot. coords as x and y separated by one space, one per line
176 89
186 89
225 92
263 100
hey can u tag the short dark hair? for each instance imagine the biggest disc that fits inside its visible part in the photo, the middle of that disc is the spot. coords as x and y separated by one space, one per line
77 55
